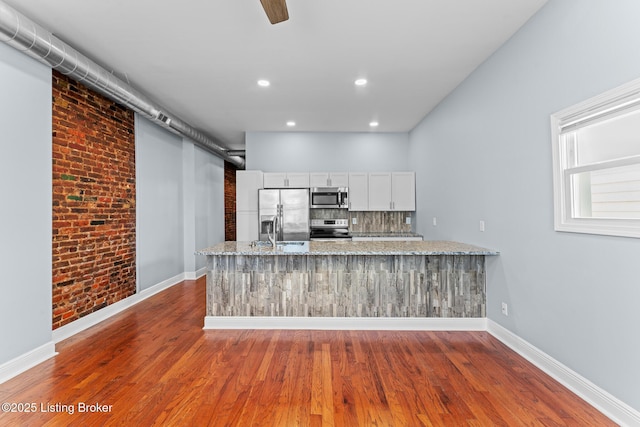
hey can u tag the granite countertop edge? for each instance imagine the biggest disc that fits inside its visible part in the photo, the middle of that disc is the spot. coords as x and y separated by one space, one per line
384 234
351 248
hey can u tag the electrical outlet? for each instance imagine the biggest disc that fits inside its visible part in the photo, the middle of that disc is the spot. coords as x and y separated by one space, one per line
481 225
505 309
408 220
435 221
354 220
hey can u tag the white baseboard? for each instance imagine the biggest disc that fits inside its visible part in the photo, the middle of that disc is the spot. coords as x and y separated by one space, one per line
600 399
347 323
94 318
194 275
26 361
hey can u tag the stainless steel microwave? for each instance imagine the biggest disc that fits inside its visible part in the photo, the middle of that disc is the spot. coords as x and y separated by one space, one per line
330 197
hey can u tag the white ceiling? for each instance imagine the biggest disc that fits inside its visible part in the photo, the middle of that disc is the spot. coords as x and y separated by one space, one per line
201 59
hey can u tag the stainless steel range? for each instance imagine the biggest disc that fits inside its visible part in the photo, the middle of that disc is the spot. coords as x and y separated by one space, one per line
330 229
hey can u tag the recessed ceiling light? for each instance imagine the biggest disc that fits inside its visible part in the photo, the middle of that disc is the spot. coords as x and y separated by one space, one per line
373 124
361 82
291 123
263 83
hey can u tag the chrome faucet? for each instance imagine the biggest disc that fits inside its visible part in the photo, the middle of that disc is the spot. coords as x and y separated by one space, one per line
273 239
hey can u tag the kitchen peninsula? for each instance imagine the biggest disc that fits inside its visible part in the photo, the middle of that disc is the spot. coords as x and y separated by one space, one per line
354 280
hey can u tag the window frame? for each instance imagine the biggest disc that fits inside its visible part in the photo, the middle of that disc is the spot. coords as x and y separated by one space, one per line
620 100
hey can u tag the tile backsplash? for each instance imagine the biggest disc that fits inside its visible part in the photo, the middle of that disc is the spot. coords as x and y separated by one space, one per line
374 221
328 214
379 221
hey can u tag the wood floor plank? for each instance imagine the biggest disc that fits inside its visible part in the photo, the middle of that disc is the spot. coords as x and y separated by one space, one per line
155 365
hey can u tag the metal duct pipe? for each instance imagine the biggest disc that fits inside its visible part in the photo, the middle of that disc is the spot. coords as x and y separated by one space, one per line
240 153
28 37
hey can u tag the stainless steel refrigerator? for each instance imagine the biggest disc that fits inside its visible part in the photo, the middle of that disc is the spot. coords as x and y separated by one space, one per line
285 212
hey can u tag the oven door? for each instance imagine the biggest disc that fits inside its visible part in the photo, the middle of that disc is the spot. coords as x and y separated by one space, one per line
329 234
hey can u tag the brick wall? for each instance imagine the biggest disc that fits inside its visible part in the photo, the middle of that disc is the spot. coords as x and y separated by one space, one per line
94 195
229 201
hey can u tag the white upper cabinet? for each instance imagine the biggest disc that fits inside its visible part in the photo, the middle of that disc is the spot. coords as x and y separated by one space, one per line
326 179
380 191
247 185
403 191
358 191
373 191
392 191
275 179
286 180
298 180
338 179
319 179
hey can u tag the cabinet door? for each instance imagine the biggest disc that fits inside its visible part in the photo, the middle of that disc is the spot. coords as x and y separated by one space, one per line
358 191
380 191
298 180
274 179
247 226
319 179
338 179
247 185
403 191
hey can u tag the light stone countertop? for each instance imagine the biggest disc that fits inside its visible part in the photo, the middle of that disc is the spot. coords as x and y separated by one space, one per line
384 234
347 248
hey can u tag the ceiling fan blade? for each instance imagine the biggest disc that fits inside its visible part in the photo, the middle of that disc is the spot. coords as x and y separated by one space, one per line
276 10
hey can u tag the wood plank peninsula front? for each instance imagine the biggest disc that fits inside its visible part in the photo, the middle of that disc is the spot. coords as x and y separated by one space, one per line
343 279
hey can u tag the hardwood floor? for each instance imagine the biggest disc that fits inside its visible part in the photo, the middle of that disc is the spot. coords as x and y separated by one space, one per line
154 365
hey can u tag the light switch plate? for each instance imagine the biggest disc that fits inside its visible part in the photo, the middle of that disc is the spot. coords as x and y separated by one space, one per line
408 220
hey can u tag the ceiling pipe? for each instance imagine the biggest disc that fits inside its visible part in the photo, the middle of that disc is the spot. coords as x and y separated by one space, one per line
20 32
241 153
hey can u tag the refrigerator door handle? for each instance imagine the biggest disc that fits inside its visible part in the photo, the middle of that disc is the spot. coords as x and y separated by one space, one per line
280 222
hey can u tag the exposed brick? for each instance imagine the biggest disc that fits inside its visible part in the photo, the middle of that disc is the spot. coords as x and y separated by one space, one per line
93 201
229 201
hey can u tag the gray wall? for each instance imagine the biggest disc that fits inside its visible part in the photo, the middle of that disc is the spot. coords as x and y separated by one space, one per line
485 154
209 202
25 210
327 152
180 204
159 204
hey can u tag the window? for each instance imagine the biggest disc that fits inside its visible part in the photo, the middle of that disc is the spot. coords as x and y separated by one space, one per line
596 157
